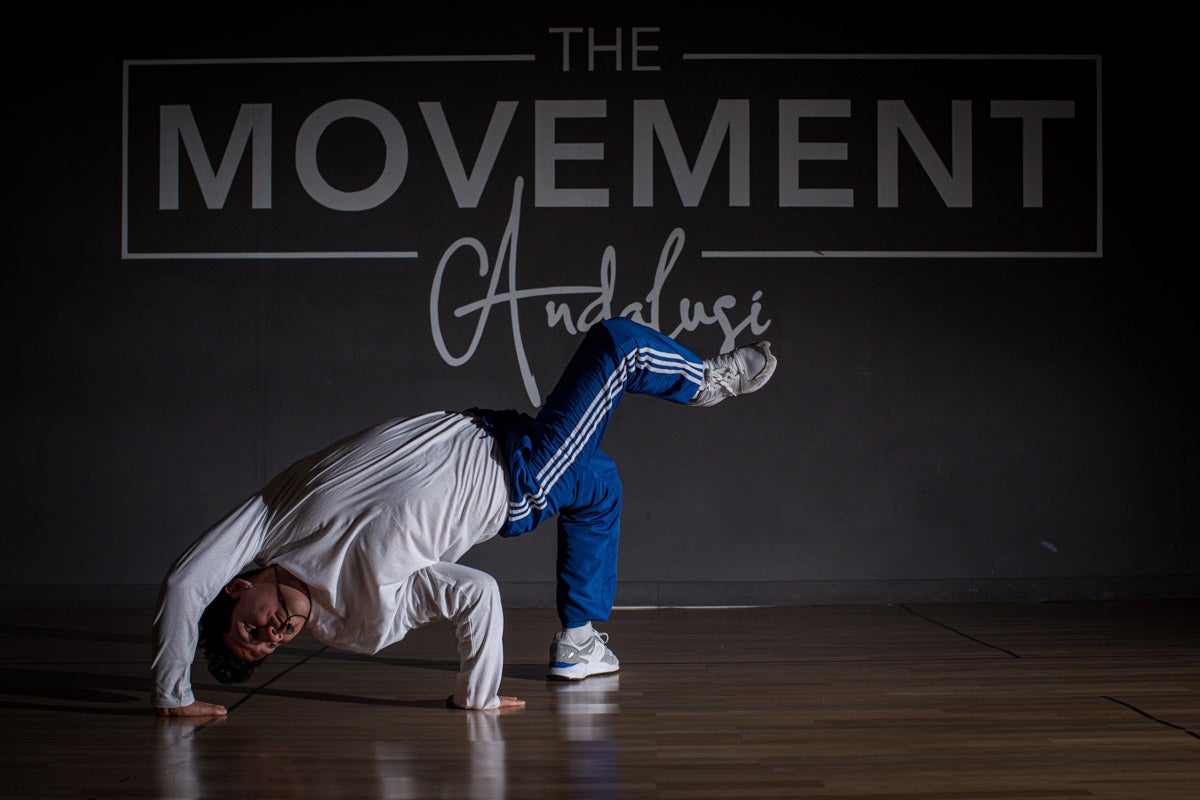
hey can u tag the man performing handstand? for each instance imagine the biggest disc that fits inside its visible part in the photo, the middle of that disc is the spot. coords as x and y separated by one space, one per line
358 542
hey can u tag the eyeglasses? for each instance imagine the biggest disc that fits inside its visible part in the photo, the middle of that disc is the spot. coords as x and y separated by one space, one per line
288 628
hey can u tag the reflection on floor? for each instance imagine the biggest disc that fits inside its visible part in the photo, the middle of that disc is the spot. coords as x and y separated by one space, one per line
953 701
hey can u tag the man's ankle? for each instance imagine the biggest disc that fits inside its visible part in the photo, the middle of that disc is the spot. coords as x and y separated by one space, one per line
579 634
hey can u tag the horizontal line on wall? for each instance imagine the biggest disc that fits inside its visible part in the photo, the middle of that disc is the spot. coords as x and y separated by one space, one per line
784 254
407 254
888 57
763 254
429 58
724 594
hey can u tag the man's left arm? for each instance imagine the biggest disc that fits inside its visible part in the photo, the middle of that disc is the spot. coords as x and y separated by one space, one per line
470 599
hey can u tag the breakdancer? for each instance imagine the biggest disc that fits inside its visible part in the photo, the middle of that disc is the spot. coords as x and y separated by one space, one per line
358 542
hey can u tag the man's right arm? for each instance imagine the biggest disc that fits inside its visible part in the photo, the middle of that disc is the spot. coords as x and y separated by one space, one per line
193 582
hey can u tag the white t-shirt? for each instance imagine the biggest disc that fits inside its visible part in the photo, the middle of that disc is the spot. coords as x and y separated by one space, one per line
372 524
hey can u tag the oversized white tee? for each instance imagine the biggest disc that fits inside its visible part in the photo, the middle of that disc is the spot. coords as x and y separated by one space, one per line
373 525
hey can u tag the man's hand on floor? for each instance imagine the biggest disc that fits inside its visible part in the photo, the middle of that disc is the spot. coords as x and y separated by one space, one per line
196 709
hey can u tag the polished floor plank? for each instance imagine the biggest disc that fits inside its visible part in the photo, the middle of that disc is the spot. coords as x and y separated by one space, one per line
929 701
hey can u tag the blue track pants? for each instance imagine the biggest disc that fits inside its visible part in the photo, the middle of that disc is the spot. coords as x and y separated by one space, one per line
557 467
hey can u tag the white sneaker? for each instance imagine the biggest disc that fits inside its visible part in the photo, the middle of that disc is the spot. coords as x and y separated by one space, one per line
727 375
572 662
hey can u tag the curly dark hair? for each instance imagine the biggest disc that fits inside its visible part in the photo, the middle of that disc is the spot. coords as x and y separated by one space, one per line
214 624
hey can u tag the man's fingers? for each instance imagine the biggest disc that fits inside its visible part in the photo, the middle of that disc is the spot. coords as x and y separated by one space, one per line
505 702
196 709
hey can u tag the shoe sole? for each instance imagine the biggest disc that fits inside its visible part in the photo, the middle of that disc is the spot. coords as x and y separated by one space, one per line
577 672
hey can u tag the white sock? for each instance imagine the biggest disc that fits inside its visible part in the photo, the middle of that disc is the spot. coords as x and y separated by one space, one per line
579 635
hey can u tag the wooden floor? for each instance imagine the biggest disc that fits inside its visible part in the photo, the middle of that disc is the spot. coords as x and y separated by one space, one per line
946 701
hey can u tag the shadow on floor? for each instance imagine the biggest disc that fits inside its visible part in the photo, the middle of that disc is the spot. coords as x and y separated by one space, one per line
76 687
73 634
123 695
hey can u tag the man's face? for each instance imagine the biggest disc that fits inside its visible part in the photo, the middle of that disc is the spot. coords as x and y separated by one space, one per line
260 619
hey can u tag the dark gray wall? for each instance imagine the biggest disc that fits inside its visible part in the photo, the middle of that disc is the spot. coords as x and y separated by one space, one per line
940 427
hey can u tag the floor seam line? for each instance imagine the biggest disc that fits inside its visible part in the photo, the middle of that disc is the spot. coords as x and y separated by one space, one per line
275 677
1151 717
957 631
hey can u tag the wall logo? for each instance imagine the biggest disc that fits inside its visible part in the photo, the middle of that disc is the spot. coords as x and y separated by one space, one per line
597 150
